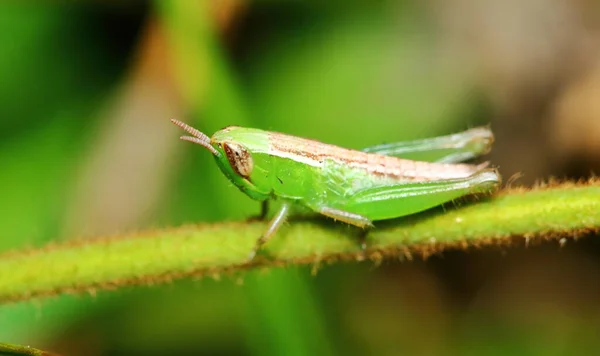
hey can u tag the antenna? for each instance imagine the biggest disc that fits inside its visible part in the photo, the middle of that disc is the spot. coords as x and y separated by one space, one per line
198 138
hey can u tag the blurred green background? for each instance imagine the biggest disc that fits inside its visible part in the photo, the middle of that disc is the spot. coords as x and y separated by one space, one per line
86 150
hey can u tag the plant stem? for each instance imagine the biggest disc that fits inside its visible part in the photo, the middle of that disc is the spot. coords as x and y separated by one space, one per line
18 350
150 257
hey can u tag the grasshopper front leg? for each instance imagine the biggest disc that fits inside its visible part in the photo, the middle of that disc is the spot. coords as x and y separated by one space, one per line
453 148
274 225
281 216
264 211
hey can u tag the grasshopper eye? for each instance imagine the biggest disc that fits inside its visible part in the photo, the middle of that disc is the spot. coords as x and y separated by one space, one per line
239 158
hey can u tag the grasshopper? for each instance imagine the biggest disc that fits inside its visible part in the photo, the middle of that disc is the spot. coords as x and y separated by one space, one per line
355 187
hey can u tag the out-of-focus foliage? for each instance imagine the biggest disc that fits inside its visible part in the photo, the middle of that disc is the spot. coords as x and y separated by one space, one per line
86 92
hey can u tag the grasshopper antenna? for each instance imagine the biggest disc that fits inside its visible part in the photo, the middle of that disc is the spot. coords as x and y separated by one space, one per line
198 138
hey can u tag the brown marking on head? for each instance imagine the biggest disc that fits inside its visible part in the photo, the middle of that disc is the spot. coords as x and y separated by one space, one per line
239 158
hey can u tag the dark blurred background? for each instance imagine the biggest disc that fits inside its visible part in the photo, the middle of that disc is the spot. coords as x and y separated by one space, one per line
86 149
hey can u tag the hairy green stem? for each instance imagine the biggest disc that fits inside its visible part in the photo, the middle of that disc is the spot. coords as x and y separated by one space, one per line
554 211
18 350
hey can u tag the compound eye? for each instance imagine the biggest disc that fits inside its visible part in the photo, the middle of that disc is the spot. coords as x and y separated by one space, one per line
239 158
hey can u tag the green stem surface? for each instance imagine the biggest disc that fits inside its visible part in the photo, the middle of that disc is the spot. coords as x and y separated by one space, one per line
150 257
18 350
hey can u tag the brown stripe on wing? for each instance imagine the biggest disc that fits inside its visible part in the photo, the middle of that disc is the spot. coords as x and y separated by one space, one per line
376 164
413 170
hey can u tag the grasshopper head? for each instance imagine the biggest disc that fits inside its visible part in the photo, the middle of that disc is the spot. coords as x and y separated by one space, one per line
233 158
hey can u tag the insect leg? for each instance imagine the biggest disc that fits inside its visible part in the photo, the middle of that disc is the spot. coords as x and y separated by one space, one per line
274 225
444 149
347 217
264 211
401 199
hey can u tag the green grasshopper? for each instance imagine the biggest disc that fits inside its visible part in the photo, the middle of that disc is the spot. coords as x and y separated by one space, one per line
355 187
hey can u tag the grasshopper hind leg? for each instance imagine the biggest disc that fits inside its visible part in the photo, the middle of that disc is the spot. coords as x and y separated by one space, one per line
393 201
